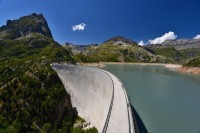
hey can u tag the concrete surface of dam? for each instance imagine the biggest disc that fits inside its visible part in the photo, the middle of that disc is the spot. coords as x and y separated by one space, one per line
98 96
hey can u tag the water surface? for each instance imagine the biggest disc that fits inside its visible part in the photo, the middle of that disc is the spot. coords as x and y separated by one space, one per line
167 102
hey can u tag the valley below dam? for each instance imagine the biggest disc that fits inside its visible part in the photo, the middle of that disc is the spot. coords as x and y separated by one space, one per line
166 101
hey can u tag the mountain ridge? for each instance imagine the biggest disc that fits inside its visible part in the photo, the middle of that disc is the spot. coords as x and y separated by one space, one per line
181 44
120 40
34 23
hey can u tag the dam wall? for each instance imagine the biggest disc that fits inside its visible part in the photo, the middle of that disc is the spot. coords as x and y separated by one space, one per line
91 92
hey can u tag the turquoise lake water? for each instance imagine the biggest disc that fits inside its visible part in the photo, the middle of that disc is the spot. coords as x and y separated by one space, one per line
166 101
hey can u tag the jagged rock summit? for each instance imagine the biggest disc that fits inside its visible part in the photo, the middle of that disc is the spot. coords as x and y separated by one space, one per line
34 23
183 43
77 49
120 40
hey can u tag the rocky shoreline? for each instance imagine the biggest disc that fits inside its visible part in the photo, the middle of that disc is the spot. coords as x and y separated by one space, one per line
192 70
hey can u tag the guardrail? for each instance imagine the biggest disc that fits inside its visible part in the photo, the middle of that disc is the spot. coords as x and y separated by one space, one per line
129 110
111 104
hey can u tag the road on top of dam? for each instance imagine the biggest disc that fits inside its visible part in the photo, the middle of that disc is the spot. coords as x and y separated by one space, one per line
121 119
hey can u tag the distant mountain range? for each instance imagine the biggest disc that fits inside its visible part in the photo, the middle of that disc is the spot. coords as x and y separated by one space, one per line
179 51
116 49
182 44
121 48
77 49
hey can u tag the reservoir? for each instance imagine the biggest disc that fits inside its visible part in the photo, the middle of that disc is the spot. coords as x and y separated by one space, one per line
166 101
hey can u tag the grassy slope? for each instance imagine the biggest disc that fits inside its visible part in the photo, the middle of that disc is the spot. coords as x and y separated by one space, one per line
180 56
118 53
190 53
167 51
193 62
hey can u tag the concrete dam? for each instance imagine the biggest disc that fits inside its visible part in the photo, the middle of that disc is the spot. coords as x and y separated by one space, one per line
98 96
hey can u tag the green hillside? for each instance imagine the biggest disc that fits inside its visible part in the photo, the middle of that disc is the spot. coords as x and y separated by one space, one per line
30 91
167 51
32 97
193 62
109 52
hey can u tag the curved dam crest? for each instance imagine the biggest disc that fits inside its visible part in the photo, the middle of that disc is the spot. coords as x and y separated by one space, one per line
98 96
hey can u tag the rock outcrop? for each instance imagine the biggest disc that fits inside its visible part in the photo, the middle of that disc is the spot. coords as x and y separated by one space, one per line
34 23
183 43
120 40
77 49
180 50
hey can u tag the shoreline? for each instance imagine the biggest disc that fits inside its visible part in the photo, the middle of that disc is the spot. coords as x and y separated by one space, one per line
102 64
190 70
174 67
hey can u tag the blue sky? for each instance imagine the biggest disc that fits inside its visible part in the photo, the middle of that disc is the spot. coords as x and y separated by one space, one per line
134 19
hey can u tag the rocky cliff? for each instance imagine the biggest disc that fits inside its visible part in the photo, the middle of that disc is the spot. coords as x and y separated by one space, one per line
182 44
77 49
34 23
120 40
180 50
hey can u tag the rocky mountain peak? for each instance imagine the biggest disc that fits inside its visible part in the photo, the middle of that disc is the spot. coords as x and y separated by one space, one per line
120 40
34 23
183 43
176 42
77 49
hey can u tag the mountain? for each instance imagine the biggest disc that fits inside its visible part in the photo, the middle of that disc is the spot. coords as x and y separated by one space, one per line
167 51
32 97
77 49
120 40
118 49
181 50
182 44
34 23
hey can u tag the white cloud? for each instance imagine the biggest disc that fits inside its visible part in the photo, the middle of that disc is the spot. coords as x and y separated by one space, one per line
141 43
79 27
197 37
167 36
